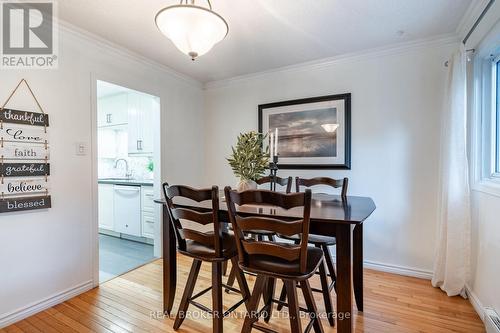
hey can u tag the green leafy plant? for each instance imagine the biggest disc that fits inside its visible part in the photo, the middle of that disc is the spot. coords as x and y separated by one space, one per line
248 160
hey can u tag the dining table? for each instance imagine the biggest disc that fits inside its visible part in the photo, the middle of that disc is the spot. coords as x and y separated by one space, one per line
331 215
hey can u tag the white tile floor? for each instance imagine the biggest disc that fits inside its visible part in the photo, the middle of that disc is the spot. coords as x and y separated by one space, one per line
118 256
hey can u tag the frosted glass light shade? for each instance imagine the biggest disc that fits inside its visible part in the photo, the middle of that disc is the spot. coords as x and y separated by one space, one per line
194 30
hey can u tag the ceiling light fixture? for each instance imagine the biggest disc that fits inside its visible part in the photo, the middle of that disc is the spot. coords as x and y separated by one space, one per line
193 29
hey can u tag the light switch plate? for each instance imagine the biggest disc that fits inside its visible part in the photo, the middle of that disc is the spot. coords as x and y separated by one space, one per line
81 148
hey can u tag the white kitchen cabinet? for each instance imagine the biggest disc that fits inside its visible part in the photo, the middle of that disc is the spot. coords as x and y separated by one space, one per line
148 225
140 124
147 211
127 210
106 209
112 110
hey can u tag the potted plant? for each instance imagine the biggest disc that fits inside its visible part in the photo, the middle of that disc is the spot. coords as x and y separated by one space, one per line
248 160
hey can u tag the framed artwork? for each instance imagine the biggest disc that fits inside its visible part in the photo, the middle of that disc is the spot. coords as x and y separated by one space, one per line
313 133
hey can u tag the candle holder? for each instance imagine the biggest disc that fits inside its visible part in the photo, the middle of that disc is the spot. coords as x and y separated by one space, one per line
273 170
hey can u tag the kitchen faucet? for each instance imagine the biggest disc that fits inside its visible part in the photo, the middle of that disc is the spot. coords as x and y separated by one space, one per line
127 173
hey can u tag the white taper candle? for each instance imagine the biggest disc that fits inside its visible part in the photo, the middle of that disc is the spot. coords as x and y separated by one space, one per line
276 143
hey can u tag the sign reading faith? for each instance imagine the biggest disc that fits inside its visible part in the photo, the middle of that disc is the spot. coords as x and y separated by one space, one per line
24 203
24 151
20 186
24 169
24 117
22 133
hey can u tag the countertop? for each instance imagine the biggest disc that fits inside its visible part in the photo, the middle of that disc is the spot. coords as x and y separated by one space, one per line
131 182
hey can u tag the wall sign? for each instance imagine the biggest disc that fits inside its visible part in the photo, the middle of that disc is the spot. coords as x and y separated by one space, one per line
24 158
24 203
22 133
24 117
21 186
24 151
24 169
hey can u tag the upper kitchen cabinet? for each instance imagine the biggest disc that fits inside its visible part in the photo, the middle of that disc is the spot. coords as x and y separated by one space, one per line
140 121
112 110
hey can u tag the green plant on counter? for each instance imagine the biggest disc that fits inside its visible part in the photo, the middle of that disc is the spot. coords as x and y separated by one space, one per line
248 160
150 166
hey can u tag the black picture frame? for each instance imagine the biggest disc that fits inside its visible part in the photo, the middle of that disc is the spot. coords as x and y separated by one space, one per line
347 138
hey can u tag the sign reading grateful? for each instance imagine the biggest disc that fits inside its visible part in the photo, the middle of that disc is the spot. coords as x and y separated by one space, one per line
24 169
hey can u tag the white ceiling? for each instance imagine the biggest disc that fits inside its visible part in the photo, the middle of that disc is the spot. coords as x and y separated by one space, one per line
267 34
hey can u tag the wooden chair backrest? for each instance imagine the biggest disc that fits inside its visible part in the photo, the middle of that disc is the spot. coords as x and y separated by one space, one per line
335 183
281 181
203 218
242 226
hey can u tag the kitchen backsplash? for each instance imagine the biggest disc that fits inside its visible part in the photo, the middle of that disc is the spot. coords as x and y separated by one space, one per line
138 166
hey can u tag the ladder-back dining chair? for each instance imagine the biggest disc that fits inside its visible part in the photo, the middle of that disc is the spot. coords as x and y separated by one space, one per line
215 246
260 234
321 242
294 264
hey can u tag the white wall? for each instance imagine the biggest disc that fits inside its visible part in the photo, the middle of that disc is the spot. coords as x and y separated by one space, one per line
485 250
397 97
44 254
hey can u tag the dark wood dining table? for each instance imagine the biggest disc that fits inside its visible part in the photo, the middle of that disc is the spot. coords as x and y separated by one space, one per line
330 216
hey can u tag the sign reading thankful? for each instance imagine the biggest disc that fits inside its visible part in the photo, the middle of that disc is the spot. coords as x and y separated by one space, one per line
24 158
24 117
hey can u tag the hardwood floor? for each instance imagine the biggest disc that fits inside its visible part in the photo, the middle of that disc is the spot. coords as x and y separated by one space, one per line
132 303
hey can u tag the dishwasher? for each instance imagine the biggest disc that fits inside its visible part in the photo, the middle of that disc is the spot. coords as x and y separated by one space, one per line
127 209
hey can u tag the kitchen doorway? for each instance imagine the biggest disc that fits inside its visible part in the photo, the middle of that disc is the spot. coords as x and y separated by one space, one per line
128 159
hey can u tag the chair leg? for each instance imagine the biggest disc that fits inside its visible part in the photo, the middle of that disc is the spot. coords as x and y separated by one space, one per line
331 267
311 306
268 299
252 313
242 281
282 297
217 307
224 268
232 276
326 293
188 292
293 306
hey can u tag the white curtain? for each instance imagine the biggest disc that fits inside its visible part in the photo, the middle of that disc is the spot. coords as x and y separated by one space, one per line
451 262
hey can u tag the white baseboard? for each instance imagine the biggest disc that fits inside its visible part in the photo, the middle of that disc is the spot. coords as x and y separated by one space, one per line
14 316
474 300
400 270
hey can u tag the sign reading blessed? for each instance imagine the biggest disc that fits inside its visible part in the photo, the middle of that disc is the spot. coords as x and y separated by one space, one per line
24 158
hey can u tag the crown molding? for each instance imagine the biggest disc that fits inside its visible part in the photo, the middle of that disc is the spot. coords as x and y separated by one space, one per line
124 52
393 49
471 14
